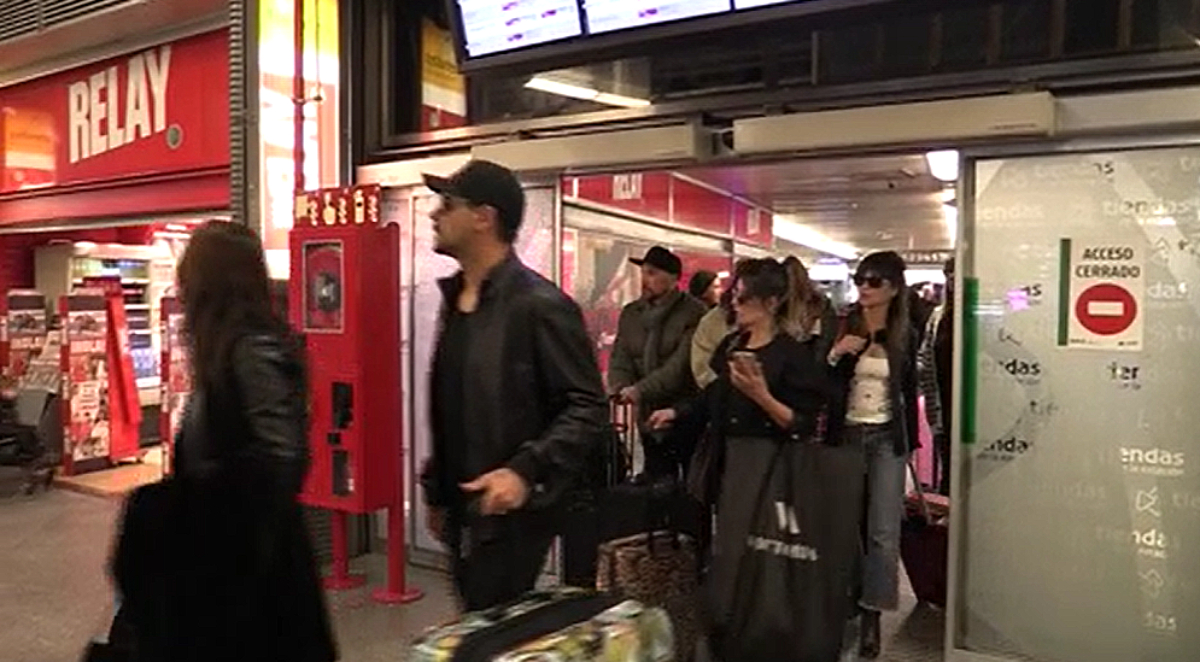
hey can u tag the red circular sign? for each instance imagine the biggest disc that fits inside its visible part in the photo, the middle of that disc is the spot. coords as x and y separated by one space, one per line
1106 309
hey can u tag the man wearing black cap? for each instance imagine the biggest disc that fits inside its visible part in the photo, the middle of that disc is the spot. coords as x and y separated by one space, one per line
706 286
650 364
517 400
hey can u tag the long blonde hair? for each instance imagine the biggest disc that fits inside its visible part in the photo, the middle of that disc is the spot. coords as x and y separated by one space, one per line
805 306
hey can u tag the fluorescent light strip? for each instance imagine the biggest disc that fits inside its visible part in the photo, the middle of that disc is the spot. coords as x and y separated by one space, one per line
788 229
584 93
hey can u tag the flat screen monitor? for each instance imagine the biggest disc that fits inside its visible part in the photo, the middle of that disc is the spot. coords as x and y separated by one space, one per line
528 33
491 26
751 4
603 16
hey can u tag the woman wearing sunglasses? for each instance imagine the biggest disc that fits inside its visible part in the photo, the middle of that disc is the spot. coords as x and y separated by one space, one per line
874 370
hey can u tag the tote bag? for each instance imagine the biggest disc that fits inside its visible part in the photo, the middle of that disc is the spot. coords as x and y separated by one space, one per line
786 550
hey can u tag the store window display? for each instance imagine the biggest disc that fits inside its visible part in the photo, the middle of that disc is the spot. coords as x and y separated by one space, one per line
597 273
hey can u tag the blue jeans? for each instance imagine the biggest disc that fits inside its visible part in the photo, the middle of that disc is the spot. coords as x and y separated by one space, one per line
884 513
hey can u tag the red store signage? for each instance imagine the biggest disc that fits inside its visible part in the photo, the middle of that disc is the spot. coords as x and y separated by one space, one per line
161 113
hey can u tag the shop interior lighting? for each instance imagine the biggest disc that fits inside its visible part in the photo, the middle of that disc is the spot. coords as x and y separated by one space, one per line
824 272
943 164
788 228
950 215
549 86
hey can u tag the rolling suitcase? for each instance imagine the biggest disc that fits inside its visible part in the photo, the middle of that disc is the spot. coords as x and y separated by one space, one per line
622 506
564 625
925 545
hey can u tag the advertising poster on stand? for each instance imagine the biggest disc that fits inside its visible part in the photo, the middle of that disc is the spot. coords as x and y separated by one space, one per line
26 326
86 334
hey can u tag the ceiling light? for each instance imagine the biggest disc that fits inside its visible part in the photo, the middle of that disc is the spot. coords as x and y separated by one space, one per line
788 229
943 164
549 86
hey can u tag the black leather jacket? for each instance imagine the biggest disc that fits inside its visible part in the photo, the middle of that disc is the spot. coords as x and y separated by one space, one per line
252 428
534 399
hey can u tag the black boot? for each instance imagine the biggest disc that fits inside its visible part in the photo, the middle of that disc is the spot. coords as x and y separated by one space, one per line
870 644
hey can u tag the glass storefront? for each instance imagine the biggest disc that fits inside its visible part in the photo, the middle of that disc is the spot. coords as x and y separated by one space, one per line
1083 501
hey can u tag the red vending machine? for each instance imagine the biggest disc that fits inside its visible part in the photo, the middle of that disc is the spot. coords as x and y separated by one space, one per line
345 298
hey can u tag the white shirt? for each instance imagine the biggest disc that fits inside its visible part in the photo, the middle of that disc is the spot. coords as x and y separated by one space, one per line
870 403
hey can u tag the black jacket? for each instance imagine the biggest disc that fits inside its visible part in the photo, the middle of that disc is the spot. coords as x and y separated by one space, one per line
795 377
230 573
902 390
534 398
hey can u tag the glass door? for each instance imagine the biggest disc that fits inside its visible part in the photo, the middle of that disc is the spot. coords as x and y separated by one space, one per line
1077 530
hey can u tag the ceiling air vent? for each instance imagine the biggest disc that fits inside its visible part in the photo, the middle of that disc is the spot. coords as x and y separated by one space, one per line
18 18
57 12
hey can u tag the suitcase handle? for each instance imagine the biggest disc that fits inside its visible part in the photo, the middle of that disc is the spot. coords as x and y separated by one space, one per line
912 471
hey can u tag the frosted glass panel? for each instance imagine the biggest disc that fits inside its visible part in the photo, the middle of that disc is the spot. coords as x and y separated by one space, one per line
1083 520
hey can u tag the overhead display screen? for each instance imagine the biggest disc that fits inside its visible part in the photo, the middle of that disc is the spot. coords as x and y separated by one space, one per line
750 4
610 15
491 27
492 31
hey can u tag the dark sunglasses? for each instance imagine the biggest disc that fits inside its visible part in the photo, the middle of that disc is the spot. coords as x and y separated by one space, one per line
875 282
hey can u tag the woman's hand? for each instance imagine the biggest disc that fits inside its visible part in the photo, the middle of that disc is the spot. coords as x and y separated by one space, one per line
662 419
848 345
747 377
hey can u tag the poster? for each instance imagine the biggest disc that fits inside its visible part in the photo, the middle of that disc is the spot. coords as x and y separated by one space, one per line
176 377
26 325
87 426
1102 305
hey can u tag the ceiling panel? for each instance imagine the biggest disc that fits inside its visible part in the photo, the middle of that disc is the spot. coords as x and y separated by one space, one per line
873 203
93 25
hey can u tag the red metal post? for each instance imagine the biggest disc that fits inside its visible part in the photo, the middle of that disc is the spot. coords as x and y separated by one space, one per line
397 591
299 94
340 578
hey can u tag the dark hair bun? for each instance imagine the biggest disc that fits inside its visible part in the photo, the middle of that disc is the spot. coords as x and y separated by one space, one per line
764 278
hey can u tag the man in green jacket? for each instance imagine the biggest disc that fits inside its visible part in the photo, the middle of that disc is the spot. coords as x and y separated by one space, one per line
650 366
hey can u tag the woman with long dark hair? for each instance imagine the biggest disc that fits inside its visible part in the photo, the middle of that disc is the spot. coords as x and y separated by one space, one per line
242 582
875 374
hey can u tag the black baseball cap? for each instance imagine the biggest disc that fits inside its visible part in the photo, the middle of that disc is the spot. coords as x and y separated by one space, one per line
486 183
662 259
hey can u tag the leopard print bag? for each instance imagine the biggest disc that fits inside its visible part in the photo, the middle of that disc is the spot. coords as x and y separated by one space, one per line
659 570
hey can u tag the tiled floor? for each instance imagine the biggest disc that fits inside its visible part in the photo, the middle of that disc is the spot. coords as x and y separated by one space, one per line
54 596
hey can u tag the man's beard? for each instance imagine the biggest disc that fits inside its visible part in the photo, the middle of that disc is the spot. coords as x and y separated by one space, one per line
440 248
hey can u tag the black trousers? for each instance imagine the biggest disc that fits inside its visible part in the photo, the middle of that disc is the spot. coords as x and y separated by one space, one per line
498 559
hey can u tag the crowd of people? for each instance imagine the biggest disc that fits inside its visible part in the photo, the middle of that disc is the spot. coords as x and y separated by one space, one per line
216 565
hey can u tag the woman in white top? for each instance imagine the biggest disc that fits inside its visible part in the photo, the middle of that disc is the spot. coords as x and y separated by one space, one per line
874 367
